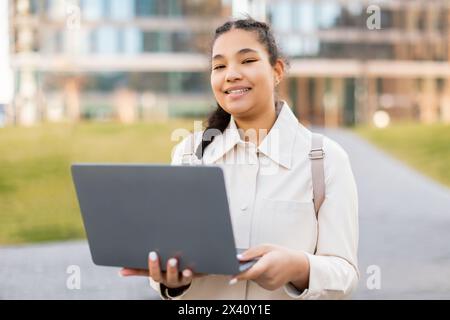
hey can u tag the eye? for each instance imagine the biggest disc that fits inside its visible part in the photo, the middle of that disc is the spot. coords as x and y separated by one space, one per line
249 60
218 67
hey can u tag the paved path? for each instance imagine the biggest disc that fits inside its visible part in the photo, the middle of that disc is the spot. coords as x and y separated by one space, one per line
404 230
404 220
40 272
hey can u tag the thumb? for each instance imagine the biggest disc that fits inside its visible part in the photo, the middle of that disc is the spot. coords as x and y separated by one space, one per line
255 252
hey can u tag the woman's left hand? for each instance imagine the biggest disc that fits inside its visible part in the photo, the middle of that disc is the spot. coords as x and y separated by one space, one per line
276 267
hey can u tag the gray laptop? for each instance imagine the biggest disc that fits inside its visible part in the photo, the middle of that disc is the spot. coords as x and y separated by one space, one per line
129 210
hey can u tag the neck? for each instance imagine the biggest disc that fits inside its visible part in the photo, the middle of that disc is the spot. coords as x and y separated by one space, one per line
255 128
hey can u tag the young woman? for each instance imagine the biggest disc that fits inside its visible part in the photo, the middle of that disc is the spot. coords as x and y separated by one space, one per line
265 154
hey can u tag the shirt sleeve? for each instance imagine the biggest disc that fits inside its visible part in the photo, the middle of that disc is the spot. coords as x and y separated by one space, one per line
334 270
177 157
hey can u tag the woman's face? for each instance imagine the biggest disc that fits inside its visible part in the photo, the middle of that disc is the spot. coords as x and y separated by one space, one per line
242 77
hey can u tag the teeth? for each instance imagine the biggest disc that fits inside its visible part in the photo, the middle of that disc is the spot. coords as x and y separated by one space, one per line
238 91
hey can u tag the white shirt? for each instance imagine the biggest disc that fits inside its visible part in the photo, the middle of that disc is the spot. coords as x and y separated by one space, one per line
270 195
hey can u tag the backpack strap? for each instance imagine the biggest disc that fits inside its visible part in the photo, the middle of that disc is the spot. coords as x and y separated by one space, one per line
189 156
188 151
317 169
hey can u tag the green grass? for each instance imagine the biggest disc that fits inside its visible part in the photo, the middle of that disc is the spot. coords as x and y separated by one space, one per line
37 197
424 147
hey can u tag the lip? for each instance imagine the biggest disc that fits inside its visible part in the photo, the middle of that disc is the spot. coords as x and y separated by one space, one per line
235 96
236 88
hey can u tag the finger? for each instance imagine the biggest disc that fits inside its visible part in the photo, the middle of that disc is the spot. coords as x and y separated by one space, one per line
153 267
127 272
186 277
172 273
253 273
255 252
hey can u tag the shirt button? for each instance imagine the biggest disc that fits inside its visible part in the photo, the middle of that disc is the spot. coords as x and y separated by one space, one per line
244 207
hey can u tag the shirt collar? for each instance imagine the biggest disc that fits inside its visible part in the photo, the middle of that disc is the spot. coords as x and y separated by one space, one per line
277 145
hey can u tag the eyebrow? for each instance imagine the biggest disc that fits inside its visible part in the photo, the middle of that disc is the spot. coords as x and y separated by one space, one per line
240 52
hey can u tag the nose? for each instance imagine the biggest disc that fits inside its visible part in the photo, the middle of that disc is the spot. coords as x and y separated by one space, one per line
232 75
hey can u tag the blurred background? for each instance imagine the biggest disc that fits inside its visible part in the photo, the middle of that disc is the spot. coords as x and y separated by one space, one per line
109 81
132 60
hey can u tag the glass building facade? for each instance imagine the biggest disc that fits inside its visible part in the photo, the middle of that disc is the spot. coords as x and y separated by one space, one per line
149 54
349 58
354 58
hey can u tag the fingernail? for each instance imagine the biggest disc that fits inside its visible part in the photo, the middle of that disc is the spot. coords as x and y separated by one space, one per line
240 256
187 273
120 274
233 281
173 262
153 256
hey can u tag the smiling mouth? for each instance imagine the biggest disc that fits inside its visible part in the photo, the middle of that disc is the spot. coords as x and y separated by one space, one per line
240 91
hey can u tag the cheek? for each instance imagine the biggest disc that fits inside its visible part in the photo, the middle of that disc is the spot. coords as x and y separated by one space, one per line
264 83
261 76
216 85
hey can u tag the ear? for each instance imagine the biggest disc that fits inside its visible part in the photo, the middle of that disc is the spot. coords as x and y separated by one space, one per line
278 70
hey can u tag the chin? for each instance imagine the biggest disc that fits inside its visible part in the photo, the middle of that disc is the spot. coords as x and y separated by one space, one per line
238 107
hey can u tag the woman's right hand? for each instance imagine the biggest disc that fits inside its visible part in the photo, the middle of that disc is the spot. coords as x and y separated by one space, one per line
171 278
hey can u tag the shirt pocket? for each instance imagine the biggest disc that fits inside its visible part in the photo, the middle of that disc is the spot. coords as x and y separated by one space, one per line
287 223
